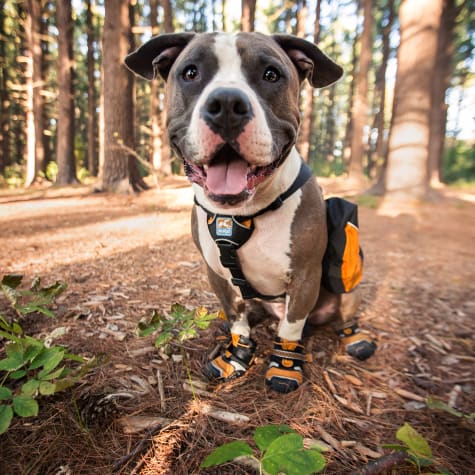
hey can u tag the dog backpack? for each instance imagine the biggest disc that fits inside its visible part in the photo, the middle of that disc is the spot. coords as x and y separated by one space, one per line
343 259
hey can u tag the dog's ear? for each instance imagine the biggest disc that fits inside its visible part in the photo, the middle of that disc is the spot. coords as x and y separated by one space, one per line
310 61
158 54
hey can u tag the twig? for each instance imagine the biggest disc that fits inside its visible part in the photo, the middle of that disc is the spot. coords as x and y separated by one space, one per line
383 464
139 446
161 391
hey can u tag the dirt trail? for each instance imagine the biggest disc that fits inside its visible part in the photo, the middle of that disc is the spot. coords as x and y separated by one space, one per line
124 256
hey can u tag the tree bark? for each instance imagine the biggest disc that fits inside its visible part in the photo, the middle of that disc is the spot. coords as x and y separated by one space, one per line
167 16
37 155
4 98
380 151
156 138
407 177
360 106
91 93
308 105
118 102
440 84
65 131
248 15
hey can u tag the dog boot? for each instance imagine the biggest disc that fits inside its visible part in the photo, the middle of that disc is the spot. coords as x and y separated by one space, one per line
233 362
356 344
285 372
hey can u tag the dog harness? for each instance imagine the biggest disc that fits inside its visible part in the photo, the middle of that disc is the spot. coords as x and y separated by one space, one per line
231 232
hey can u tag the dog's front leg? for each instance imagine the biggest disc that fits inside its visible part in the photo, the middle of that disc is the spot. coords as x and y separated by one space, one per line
285 372
239 354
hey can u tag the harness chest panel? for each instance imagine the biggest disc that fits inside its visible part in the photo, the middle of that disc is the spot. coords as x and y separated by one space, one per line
230 233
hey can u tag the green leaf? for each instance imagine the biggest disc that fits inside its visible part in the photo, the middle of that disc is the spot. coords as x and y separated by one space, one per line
32 351
435 404
17 374
10 336
48 376
15 358
287 454
6 416
12 280
227 453
47 388
30 387
264 435
5 393
5 325
416 444
52 291
163 339
17 329
49 358
25 406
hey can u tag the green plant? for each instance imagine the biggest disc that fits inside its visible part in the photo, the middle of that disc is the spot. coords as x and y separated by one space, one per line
29 367
180 325
416 447
281 451
51 171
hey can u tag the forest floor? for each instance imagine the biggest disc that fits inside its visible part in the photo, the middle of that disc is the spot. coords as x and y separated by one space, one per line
123 256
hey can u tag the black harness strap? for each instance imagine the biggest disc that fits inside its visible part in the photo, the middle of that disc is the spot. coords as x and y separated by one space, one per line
231 232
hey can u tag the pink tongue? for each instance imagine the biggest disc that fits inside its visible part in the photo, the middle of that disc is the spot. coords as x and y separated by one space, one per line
227 178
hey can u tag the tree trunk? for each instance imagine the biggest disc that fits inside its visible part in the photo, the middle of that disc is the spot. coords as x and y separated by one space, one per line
65 131
223 8
440 84
308 105
167 16
30 138
380 150
118 102
154 100
4 98
360 106
407 177
166 155
91 94
33 12
248 14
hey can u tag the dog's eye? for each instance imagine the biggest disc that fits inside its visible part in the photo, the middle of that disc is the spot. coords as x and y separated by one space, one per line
271 74
191 73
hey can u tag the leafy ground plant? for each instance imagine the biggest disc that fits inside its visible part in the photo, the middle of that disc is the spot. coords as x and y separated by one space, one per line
29 368
180 325
281 450
417 449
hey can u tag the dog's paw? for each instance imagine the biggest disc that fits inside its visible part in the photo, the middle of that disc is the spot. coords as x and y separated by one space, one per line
285 372
361 349
356 344
234 361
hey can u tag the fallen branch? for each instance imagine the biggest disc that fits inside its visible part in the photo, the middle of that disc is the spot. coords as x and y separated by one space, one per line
381 465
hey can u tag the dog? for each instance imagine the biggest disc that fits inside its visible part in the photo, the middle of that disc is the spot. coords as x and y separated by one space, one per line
259 220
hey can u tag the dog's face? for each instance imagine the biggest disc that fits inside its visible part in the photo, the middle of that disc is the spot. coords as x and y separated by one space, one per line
232 103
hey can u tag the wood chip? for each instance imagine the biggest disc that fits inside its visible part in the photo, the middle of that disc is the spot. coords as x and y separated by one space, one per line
134 424
353 380
366 452
408 395
329 382
329 439
225 416
349 405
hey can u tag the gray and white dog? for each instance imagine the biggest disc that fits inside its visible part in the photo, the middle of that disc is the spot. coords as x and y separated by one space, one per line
232 103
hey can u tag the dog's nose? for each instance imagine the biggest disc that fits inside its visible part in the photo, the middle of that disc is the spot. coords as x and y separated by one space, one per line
227 110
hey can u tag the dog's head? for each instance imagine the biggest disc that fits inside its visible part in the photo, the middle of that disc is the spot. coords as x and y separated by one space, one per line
232 103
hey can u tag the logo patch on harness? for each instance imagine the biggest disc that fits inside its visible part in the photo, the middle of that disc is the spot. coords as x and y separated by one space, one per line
224 226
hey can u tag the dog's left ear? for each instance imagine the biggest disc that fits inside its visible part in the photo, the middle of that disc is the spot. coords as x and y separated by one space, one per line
158 54
310 61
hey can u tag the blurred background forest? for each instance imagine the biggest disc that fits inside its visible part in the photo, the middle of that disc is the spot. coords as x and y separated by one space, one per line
401 120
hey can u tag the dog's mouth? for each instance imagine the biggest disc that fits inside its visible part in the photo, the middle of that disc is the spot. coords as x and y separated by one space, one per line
228 178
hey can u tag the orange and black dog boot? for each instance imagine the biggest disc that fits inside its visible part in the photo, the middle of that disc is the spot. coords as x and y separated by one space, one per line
285 372
233 362
356 344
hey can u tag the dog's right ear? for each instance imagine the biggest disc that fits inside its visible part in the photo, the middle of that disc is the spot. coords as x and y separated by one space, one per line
158 54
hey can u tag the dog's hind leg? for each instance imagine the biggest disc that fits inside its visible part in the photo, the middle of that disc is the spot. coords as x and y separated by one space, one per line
341 310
